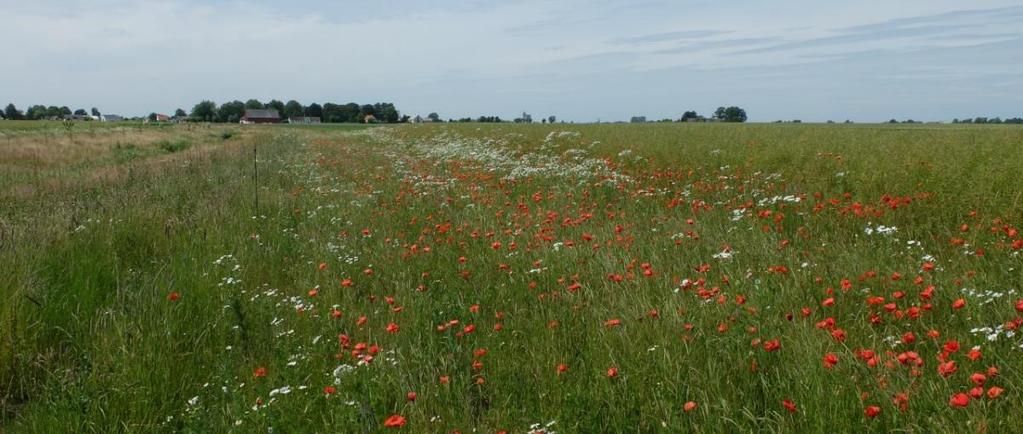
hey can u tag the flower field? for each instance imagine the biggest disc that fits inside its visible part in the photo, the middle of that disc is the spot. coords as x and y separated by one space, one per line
513 278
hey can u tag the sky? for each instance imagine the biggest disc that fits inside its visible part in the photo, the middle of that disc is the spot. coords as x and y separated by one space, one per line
584 61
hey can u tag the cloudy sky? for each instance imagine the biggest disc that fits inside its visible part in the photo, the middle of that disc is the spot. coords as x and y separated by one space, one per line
580 60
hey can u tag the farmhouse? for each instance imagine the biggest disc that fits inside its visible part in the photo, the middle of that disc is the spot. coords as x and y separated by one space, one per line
304 120
264 116
110 118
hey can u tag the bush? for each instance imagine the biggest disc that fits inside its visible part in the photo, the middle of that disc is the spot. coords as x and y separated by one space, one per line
176 145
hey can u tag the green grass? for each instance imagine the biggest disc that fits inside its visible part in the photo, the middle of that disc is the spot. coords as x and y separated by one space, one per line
475 237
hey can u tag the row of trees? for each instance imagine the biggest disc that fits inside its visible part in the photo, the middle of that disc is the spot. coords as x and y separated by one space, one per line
526 118
208 111
38 112
983 120
722 114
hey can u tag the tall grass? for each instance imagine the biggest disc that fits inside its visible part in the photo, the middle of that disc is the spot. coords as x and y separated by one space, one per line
470 262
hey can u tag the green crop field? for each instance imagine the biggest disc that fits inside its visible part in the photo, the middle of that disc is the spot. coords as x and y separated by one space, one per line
511 278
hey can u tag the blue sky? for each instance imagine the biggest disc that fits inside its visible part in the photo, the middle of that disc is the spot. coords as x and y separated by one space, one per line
578 60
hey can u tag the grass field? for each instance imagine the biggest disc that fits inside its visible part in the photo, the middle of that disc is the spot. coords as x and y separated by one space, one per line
519 278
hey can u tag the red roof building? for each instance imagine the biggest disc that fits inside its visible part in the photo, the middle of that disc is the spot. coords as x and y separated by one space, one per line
267 116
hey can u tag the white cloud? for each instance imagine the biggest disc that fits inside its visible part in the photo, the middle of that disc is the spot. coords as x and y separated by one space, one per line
573 58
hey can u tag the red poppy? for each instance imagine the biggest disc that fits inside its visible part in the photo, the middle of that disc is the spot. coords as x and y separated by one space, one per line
174 296
789 405
411 396
872 411
958 304
612 372
830 360
994 391
946 369
329 390
260 372
959 400
772 345
978 378
689 406
951 346
908 338
395 421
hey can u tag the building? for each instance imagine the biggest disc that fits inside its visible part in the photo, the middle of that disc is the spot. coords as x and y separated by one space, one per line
308 120
162 118
261 116
111 118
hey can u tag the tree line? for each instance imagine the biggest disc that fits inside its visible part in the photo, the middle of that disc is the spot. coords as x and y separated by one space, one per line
208 111
984 120
40 112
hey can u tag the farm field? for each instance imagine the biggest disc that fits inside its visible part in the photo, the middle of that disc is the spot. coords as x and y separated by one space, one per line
511 278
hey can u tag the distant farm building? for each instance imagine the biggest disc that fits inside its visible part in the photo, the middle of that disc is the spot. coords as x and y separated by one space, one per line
162 118
262 116
111 118
309 120
368 119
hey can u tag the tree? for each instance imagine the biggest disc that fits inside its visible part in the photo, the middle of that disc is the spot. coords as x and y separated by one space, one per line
719 114
95 112
350 112
276 105
65 111
254 104
551 119
386 112
36 112
314 110
151 117
331 112
293 108
735 114
205 111
81 112
690 116
12 112
367 110
179 113
231 112
433 117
